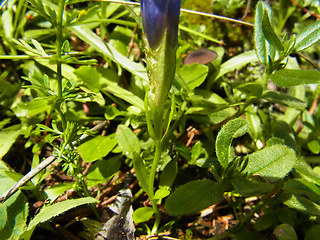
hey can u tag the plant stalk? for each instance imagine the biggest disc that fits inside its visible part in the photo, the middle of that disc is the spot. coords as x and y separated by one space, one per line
158 149
59 62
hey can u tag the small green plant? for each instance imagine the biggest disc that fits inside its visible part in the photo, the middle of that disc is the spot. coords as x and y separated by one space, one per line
107 94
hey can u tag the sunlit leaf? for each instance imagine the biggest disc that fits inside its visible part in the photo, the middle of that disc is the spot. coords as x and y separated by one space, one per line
193 196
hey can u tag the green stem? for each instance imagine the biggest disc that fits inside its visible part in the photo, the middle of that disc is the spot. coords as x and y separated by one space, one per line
158 149
59 63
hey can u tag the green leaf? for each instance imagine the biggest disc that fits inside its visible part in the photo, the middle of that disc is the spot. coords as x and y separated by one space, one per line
308 36
273 162
251 89
314 146
193 196
207 100
302 195
55 191
36 106
233 129
285 232
142 214
306 172
169 173
263 48
96 148
13 212
56 209
141 172
90 77
313 233
128 141
103 170
283 131
303 188
161 193
8 137
295 77
264 222
194 74
285 100
269 33
237 62
86 34
250 187
302 204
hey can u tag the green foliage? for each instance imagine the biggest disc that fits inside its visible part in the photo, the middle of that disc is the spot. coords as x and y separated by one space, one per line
193 197
292 77
273 162
96 148
14 212
231 130
128 141
285 232
244 125
56 209
142 214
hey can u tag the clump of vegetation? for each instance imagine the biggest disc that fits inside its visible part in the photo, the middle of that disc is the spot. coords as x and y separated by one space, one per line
113 125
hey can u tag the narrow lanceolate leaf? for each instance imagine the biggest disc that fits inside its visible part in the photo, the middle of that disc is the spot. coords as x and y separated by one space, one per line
86 34
272 163
193 196
302 195
58 208
308 36
141 172
294 77
269 33
233 129
284 99
263 48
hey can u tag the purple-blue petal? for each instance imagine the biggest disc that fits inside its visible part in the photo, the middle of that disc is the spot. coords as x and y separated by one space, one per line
173 20
157 16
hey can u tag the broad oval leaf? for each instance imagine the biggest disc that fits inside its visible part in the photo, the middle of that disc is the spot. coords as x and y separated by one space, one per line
294 77
142 214
308 36
161 193
194 74
101 171
193 196
272 163
233 129
128 141
285 232
96 148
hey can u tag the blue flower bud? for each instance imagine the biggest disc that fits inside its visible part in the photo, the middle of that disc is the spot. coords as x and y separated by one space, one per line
159 16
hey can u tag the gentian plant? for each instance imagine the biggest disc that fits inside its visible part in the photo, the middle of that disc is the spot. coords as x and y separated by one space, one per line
160 24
